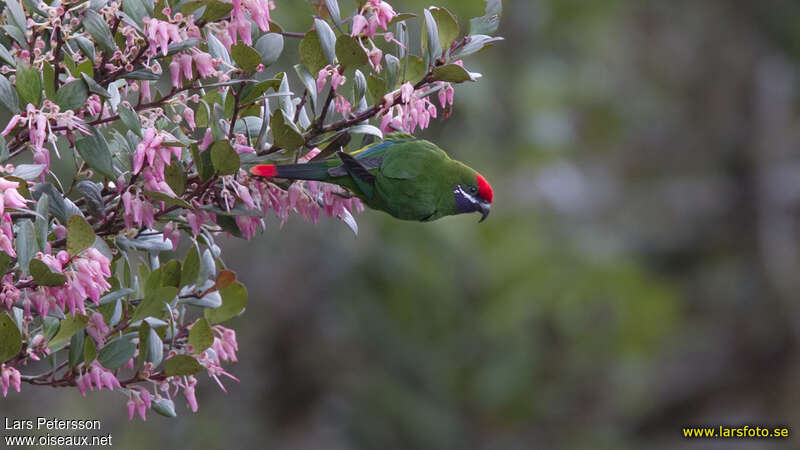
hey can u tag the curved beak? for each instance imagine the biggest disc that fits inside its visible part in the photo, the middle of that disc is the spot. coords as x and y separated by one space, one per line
484 209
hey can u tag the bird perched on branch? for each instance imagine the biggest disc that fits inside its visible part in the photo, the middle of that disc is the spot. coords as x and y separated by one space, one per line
409 178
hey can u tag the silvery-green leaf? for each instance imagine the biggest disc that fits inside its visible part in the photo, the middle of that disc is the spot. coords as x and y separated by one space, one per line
216 48
309 82
25 244
474 43
359 85
16 13
28 171
97 27
333 10
432 36
327 39
6 56
270 47
366 129
130 118
8 95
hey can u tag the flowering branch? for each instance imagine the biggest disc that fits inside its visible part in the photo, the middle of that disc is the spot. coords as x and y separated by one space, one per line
164 170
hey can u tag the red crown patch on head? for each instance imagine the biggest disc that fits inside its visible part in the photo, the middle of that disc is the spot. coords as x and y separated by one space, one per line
484 189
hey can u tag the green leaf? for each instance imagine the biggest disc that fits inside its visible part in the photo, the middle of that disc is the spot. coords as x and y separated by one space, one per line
43 275
309 81
28 172
72 95
447 26
284 135
49 77
164 407
153 302
89 351
5 262
224 158
430 36
29 84
8 96
94 198
16 13
252 92
171 273
488 23
155 347
217 49
234 300
26 244
327 40
473 44
130 118
10 338
41 222
452 73
187 44
141 74
203 163
200 336
6 56
85 67
175 177
97 27
168 199
116 353
80 235
94 150
350 54
94 87
269 47
191 267
76 349
180 365
311 54
69 326
415 70
376 87
86 45
17 34
215 10
246 57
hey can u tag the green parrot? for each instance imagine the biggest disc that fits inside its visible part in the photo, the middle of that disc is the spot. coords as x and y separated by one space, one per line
409 178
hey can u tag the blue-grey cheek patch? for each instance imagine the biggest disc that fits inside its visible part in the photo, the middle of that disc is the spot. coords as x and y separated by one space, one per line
465 203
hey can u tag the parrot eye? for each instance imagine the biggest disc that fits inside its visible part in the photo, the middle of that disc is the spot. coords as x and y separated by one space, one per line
473 190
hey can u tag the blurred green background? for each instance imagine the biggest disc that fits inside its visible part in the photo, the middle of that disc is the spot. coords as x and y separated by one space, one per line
639 270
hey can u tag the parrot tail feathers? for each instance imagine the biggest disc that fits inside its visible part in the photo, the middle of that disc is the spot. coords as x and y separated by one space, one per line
264 170
308 171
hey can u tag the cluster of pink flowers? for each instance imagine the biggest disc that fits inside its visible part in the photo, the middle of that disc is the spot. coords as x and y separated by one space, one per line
337 79
225 344
181 66
96 376
9 377
160 34
137 210
37 121
139 401
153 150
97 329
258 10
374 13
86 275
412 112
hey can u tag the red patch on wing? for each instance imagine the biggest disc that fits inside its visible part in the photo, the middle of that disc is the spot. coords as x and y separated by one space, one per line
264 170
484 189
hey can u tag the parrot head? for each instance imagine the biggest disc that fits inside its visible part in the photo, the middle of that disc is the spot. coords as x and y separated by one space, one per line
474 195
